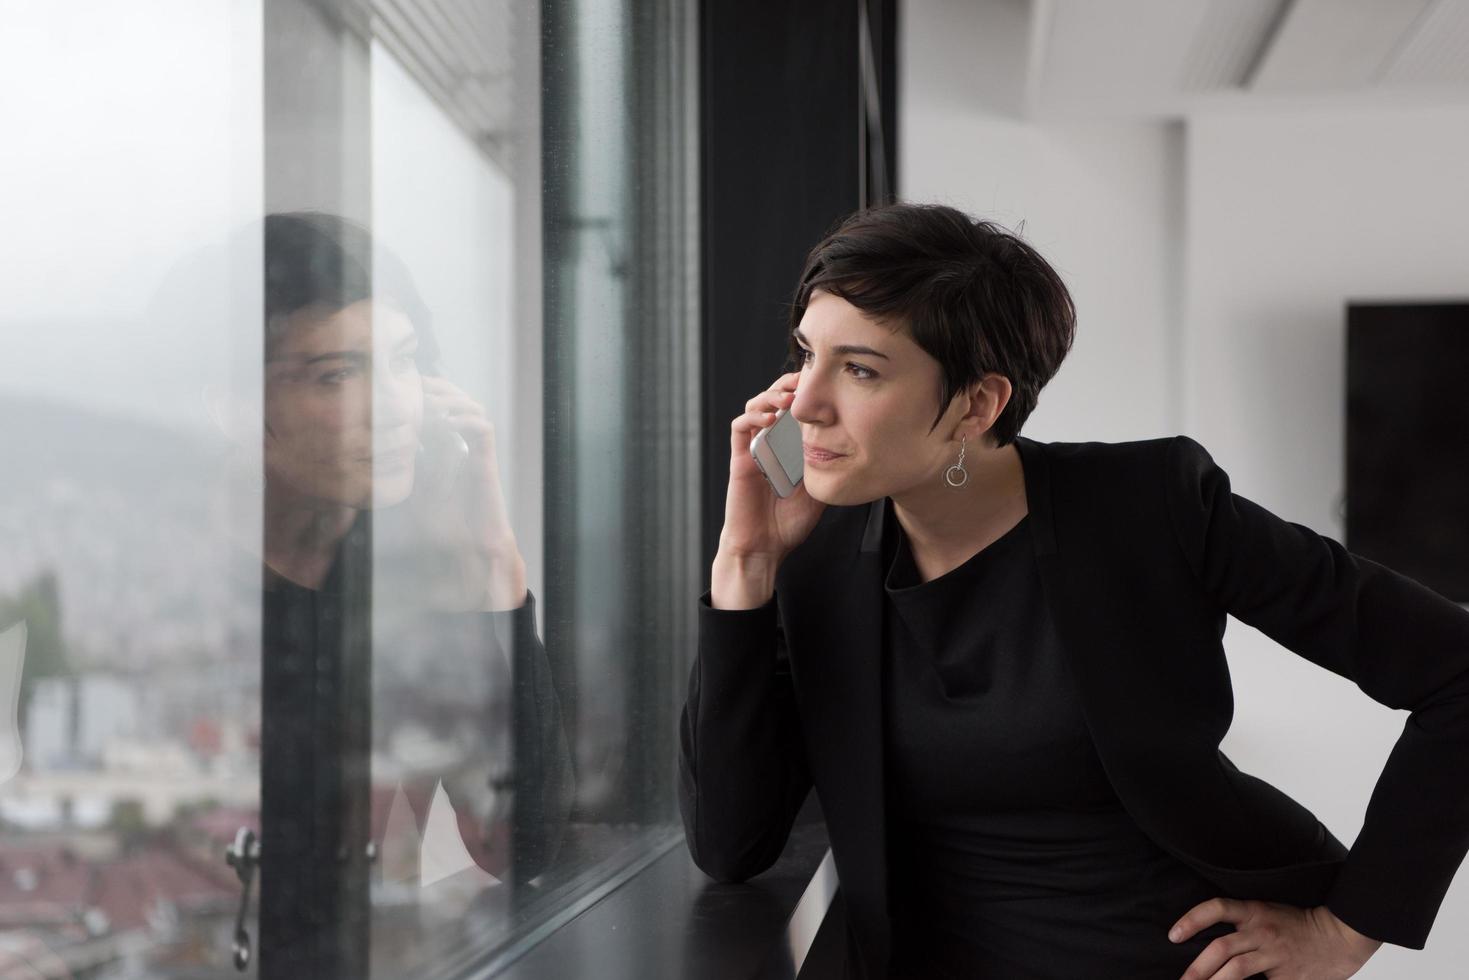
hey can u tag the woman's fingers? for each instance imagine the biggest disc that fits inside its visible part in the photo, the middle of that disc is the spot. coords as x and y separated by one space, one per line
453 404
742 430
445 399
1221 951
1209 912
472 425
766 400
432 382
1271 937
1246 965
784 385
760 411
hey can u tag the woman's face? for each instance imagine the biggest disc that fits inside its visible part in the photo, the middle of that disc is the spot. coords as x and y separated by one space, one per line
867 391
344 405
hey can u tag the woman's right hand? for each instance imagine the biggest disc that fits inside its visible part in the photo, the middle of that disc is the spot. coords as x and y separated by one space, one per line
758 525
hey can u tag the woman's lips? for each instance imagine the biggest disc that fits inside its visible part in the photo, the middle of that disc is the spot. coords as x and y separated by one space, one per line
814 455
391 459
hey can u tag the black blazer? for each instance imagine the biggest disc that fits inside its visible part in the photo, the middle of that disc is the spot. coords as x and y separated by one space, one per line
1142 551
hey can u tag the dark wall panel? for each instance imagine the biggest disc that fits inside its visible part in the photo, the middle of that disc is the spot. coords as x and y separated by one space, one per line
780 164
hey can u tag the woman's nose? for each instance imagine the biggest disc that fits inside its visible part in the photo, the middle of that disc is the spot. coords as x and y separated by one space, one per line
810 406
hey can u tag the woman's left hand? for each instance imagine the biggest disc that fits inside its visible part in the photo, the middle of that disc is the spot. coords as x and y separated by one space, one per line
475 518
1284 942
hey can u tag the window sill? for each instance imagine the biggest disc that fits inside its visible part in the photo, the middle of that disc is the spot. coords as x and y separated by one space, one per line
671 920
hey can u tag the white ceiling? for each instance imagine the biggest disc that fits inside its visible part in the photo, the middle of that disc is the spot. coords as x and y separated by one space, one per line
1068 58
464 54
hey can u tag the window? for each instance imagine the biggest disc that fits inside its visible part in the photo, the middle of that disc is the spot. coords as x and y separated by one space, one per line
350 398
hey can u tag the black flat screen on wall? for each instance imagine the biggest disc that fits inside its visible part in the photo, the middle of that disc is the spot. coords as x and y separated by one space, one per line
1407 443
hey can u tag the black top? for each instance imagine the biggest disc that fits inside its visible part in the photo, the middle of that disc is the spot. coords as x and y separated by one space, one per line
484 674
1011 855
314 781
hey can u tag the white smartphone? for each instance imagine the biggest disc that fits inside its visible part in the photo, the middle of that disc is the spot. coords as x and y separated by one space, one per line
777 451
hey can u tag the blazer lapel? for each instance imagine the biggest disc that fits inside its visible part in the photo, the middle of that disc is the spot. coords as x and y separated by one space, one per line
1090 624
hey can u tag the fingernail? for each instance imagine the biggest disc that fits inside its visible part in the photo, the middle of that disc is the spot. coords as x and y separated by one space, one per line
1173 934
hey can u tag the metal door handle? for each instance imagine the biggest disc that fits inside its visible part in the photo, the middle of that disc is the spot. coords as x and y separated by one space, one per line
244 856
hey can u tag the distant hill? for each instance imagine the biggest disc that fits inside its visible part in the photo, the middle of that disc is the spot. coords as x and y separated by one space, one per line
133 518
41 438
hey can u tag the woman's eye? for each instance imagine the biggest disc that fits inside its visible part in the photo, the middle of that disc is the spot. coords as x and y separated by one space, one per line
336 377
857 370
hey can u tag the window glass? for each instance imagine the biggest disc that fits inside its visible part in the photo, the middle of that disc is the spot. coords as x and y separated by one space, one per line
348 406
130 493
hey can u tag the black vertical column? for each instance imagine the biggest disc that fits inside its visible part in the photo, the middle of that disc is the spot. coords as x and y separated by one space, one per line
316 671
783 119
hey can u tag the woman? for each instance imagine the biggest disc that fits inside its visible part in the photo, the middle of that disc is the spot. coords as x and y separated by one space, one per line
998 661
415 619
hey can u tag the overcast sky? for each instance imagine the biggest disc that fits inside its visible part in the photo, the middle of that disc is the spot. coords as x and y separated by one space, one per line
130 173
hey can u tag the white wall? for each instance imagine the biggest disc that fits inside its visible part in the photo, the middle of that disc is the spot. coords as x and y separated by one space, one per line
1210 261
1291 214
1097 201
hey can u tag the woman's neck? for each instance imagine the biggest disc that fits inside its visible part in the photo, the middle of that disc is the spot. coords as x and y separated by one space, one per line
947 525
302 534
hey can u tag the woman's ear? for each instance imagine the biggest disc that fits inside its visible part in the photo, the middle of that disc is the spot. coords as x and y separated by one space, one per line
987 400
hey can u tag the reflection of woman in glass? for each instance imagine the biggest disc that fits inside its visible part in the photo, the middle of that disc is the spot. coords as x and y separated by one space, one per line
348 396
999 661
355 425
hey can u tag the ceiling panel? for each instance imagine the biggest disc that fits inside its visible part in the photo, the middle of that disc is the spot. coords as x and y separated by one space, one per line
1437 53
462 52
1336 44
1120 50
1229 42
1086 59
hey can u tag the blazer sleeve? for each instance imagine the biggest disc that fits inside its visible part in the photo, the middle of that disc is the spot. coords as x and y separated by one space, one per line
742 766
1404 645
542 777
535 775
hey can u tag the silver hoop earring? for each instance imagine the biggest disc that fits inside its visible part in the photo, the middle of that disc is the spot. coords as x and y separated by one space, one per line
956 475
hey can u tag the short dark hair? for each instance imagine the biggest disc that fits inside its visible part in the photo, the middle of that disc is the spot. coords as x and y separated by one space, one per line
313 258
970 293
